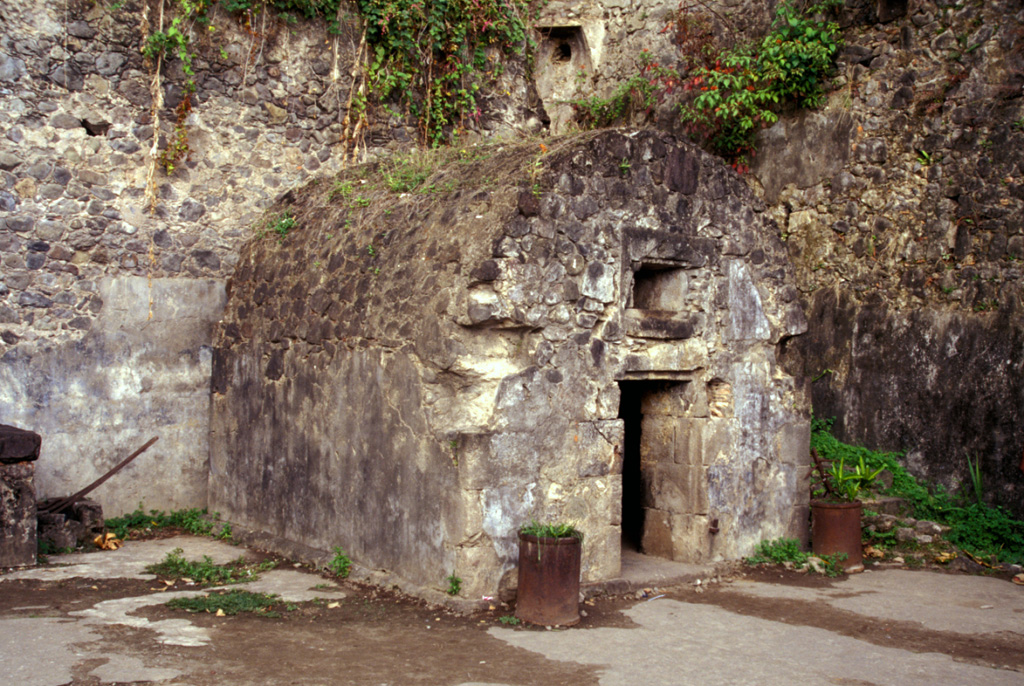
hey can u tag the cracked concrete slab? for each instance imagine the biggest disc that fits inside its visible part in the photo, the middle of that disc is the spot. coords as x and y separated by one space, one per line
293 586
178 632
971 604
41 651
683 644
129 561
118 666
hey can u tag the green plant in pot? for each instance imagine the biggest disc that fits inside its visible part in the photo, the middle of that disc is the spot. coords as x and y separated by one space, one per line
836 510
549 573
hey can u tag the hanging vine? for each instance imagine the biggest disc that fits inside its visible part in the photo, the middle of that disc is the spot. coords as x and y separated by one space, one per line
431 56
428 58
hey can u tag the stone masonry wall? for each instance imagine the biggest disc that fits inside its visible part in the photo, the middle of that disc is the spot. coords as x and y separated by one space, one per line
80 246
902 205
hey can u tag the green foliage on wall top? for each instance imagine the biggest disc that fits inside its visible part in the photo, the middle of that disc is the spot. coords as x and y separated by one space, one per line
742 90
432 55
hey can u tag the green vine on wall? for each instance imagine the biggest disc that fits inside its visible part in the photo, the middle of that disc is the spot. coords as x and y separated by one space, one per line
639 94
428 56
176 39
432 55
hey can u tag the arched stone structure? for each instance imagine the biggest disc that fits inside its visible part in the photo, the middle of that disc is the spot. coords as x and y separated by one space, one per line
412 376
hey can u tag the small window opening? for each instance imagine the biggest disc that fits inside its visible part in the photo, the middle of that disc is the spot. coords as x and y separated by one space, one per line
661 288
563 53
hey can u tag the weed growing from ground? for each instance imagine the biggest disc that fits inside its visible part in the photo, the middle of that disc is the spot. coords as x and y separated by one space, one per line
193 520
833 566
454 584
340 564
778 551
229 602
509 620
782 550
205 572
48 548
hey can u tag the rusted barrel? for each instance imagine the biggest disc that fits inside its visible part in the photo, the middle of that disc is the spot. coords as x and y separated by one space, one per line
835 528
549 580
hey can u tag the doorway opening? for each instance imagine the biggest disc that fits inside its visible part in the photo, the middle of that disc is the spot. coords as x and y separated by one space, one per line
650 411
630 399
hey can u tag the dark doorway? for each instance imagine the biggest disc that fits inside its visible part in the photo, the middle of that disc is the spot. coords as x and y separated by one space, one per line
653 484
630 412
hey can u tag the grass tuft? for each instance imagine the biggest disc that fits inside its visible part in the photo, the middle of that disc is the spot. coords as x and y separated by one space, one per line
229 602
204 572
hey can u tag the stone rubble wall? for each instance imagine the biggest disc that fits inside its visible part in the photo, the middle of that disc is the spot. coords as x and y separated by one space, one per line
77 237
902 205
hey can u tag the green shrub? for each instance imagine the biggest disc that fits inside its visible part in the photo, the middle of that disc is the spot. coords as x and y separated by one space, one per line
778 551
980 529
638 94
742 91
340 564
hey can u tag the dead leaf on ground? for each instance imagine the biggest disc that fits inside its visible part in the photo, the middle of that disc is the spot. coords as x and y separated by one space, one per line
107 541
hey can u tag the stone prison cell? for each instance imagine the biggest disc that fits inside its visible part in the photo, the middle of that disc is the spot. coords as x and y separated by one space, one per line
586 333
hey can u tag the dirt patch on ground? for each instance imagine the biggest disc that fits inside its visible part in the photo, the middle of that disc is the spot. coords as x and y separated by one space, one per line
370 637
32 598
375 636
1003 650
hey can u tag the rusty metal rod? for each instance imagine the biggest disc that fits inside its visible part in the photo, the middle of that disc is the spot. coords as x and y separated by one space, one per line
61 504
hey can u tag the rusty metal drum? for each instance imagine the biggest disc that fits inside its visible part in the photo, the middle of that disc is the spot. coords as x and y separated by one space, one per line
549 580
835 528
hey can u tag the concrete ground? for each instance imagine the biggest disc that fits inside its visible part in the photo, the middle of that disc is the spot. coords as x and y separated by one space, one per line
747 631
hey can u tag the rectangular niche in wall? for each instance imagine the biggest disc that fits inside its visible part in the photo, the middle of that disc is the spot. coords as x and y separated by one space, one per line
563 45
658 303
660 288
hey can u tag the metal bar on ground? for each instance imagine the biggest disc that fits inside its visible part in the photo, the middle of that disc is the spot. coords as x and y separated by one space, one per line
61 504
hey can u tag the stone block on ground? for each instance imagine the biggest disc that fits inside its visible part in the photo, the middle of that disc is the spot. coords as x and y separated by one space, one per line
18 451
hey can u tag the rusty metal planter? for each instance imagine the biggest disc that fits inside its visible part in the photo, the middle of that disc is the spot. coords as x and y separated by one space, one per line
549 580
835 528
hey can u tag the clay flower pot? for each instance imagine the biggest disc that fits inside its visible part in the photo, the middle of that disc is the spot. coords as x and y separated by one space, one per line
549 580
835 528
